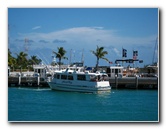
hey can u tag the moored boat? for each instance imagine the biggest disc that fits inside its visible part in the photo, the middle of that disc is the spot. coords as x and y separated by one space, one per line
72 80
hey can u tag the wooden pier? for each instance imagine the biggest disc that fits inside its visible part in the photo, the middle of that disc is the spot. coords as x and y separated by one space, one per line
27 81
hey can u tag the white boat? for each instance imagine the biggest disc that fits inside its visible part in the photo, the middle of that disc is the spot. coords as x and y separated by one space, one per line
72 80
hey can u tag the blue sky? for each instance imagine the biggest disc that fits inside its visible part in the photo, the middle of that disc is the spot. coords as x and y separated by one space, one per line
82 29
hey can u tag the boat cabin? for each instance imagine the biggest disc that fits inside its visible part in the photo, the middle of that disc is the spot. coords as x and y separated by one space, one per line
41 70
115 71
79 76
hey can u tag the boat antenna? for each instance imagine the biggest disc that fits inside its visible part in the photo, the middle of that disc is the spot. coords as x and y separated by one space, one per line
82 58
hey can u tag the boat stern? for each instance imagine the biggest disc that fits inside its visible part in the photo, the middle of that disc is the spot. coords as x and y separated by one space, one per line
103 85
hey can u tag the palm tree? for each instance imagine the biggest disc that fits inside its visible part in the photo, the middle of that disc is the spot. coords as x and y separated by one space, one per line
99 53
34 60
11 60
22 60
60 55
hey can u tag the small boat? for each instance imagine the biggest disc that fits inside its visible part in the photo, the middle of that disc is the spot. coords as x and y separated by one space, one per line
79 81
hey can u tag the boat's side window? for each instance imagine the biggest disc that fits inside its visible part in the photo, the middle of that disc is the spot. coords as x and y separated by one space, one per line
58 76
119 70
81 77
63 76
112 70
70 77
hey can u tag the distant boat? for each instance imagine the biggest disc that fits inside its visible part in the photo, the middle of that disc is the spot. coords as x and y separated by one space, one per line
79 81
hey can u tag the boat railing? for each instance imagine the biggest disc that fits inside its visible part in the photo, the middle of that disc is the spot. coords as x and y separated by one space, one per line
98 78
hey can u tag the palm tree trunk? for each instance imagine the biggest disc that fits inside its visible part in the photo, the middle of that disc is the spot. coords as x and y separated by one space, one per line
59 63
97 63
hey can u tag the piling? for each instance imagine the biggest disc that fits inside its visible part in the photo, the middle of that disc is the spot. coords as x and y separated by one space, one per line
38 79
116 81
19 79
136 81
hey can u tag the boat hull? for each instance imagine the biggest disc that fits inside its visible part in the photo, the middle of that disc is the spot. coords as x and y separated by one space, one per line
78 88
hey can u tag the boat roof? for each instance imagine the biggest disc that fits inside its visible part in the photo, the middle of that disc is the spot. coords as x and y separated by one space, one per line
116 67
77 72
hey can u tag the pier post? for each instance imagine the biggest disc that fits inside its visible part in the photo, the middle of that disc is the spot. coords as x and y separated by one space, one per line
19 78
136 81
116 81
38 79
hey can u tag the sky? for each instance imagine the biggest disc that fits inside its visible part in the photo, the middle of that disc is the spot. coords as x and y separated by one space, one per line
80 30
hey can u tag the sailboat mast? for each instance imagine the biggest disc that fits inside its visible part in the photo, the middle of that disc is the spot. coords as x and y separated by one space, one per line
82 58
155 49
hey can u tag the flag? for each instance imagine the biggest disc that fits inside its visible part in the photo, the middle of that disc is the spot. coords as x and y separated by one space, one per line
110 62
124 52
135 54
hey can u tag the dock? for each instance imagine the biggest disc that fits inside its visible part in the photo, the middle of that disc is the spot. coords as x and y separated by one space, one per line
116 82
27 81
134 82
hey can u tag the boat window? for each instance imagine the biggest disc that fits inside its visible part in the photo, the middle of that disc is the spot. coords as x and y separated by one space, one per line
112 70
81 77
58 76
116 71
70 77
119 70
63 76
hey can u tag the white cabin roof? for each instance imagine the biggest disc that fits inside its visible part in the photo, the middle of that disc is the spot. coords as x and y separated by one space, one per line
77 72
116 67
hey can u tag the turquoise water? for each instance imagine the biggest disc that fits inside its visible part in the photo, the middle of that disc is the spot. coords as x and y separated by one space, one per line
26 104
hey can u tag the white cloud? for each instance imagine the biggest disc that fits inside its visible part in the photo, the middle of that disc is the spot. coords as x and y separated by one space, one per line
87 38
36 27
98 27
117 51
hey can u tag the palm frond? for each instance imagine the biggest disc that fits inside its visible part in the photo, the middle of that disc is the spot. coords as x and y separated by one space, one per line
99 53
57 54
93 52
105 59
65 58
